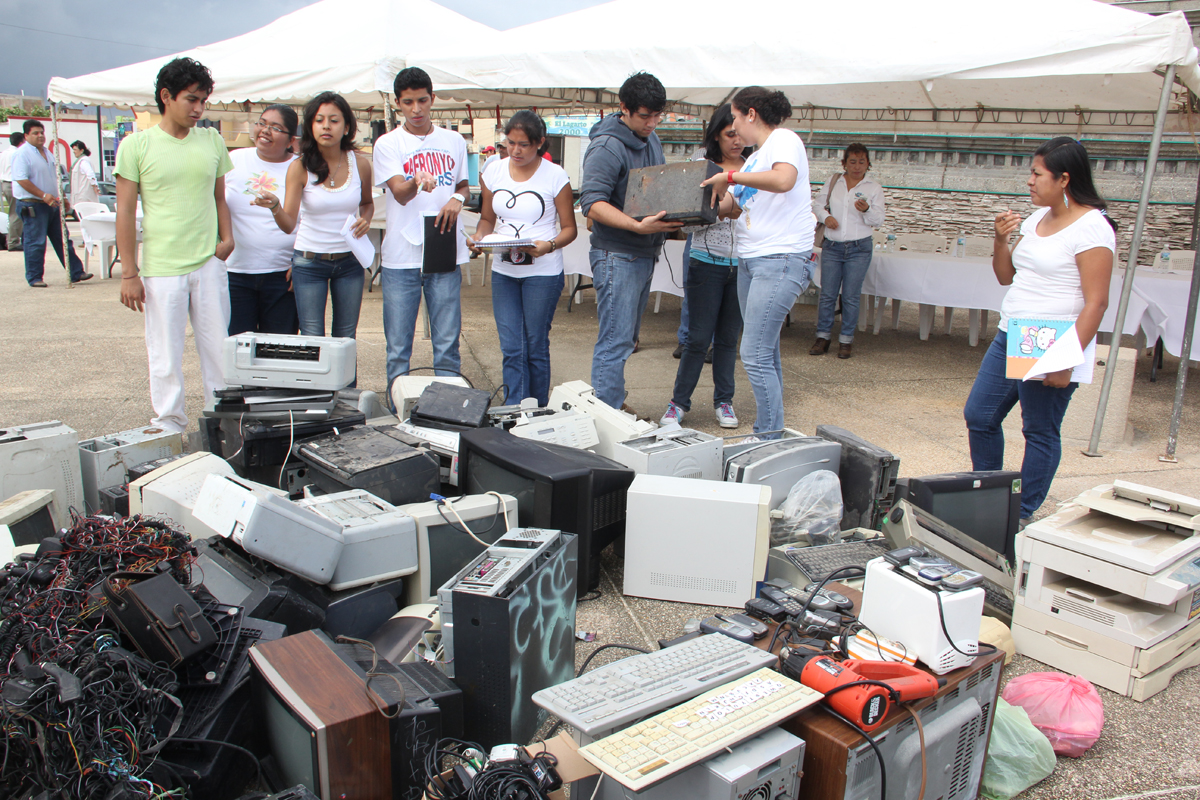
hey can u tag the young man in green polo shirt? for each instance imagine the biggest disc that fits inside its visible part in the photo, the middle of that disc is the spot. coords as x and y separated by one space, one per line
178 171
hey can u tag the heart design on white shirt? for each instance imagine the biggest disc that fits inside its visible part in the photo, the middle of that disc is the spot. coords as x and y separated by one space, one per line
520 210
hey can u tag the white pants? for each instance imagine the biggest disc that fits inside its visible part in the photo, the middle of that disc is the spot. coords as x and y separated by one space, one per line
202 295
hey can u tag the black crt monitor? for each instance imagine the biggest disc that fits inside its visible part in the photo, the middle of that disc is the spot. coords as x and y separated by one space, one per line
574 491
984 505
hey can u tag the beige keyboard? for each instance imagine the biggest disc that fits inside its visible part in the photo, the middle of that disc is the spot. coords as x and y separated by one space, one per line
653 749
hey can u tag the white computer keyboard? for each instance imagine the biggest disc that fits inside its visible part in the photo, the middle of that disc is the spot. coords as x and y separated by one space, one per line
624 691
656 748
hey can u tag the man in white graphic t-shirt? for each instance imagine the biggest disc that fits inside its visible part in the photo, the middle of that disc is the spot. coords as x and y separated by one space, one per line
424 169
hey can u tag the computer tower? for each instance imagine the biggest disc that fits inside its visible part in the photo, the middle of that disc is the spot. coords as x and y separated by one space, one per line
235 577
682 453
44 455
377 460
840 765
868 476
767 767
532 632
105 460
695 541
780 463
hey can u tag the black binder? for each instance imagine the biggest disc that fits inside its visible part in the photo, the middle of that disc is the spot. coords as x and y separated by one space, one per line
440 253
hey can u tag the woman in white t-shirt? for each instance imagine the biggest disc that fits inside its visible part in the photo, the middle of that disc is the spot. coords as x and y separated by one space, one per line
1059 268
526 197
770 197
325 186
260 284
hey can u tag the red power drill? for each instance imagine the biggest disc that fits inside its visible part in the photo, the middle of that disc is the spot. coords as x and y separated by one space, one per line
862 691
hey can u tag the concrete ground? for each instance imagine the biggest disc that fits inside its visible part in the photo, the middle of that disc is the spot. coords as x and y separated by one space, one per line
79 356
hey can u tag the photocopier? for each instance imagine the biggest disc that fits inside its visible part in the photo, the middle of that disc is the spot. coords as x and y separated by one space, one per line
1109 588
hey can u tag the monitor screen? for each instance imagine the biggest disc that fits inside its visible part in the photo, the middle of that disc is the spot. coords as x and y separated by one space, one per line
488 476
291 741
984 505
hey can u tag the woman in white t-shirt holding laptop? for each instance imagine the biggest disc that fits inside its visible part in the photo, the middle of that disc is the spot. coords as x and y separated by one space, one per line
771 199
260 285
526 197
1059 267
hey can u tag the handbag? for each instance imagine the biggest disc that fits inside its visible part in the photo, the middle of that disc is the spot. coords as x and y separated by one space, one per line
819 233
162 620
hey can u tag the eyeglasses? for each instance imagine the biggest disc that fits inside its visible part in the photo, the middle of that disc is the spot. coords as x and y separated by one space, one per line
275 128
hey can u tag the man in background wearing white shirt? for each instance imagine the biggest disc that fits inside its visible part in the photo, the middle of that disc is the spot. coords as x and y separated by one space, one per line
424 171
39 197
16 139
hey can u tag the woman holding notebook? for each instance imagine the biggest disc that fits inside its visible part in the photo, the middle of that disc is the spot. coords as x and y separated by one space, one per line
1059 268
526 198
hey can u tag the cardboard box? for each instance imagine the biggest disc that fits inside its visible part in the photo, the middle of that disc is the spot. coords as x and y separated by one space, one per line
571 766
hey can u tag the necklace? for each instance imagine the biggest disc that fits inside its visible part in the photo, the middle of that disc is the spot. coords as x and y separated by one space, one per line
349 166
417 135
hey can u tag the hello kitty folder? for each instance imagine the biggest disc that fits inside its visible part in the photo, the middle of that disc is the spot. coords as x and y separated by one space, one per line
1037 347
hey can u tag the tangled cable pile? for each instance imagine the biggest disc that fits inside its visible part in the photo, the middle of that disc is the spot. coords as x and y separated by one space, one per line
82 716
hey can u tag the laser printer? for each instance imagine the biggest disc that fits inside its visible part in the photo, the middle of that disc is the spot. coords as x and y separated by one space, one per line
379 540
678 452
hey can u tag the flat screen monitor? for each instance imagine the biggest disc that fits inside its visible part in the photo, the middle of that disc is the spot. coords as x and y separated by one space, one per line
575 491
984 505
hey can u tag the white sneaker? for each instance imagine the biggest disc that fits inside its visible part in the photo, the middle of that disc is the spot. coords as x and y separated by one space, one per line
725 416
673 414
749 440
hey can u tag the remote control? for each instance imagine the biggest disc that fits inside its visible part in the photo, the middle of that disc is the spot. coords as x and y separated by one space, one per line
763 608
749 623
730 629
776 595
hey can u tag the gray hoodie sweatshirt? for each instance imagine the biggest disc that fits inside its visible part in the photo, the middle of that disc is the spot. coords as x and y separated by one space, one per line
615 150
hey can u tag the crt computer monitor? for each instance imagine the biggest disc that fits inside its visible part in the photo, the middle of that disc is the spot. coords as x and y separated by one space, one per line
984 505
575 491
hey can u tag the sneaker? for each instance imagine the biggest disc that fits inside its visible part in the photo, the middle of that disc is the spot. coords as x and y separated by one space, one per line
678 351
87 276
673 414
725 416
749 440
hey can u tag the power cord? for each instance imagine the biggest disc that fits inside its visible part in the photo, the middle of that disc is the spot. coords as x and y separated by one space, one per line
462 525
870 741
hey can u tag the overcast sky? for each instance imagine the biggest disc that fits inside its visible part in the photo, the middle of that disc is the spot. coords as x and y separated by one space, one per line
43 38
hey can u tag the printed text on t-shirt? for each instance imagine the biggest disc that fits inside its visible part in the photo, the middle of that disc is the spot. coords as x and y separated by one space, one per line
439 164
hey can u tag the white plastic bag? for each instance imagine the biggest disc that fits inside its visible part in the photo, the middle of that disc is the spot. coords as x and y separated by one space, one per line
812 512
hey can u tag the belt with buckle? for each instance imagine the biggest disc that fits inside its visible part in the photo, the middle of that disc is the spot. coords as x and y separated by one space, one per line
324 256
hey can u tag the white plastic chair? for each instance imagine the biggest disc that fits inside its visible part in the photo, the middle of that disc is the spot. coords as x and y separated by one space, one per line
98 233
978 247
922 243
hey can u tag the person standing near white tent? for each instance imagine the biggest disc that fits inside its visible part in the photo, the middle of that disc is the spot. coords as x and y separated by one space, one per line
423 169
770 198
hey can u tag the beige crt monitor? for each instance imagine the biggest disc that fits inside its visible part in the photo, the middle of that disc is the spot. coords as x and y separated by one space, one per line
696 541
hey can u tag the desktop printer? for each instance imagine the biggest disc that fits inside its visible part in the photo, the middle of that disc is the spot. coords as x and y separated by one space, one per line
678 452
379 540
780 463
569 428
1109 587
294 362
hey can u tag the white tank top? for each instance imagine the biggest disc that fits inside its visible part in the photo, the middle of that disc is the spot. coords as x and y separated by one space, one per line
323 212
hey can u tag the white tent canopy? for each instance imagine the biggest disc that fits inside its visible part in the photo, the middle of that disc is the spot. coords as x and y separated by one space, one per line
877 54
354 47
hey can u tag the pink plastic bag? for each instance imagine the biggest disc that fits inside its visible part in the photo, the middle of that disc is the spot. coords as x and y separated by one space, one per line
1066 708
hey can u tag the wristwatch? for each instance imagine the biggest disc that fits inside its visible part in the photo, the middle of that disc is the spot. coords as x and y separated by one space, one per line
460 198
553 245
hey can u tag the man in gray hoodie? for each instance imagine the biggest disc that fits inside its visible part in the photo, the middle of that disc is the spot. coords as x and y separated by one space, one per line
623 249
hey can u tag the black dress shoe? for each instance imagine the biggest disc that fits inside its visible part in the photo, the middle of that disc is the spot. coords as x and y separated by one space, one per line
87 276
708 355
678 351
38 285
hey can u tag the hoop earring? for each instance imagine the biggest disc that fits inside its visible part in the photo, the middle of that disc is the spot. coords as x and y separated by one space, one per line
1066 200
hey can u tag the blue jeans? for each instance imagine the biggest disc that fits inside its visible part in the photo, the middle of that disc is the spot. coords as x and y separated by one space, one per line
41 222
711 293
402 302
767 288
843 267
341 280
682 333
1042 411
261 302
524 309
622 284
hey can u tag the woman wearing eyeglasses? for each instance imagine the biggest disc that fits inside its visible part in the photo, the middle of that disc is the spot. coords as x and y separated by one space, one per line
260 286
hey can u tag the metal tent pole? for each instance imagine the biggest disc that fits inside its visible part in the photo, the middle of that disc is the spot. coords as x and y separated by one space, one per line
62 200
1110 369
1185 352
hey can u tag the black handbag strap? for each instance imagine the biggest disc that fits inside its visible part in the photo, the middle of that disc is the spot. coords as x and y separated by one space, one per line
186 623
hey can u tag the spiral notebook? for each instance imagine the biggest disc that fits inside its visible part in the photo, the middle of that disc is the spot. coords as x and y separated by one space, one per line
1037 347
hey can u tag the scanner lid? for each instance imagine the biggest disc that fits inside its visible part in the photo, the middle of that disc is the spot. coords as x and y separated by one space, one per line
1145 504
